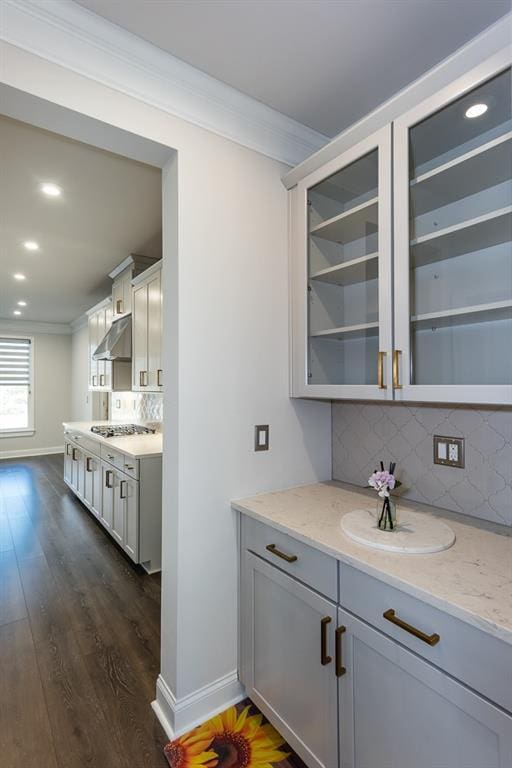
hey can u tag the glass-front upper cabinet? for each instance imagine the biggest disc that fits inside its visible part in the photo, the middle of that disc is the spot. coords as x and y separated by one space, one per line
453 246
341 275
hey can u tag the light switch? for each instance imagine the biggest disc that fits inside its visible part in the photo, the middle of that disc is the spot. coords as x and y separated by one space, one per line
441 451
261 437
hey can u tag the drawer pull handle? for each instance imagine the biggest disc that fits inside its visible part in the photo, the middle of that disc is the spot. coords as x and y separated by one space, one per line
429 639
129 466
324 657
275 551
340 669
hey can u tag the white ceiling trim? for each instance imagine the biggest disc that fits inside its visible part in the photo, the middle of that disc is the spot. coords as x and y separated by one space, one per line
71 36
27 326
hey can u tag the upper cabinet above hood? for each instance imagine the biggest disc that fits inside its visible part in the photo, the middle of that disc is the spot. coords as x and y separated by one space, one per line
117 343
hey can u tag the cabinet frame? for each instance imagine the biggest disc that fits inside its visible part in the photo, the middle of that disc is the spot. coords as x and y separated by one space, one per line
381 141
459 393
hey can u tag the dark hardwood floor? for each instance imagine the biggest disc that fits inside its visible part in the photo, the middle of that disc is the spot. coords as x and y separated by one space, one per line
79 633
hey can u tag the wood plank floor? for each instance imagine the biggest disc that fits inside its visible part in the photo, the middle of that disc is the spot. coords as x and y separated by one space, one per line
79 633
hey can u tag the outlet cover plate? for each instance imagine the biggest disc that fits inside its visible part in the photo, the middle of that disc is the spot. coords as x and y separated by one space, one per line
446 447
261 437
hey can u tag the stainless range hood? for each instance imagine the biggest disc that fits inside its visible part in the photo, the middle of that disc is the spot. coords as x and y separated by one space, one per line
117 343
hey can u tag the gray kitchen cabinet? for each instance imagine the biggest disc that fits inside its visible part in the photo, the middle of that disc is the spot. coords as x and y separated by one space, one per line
398 711
115 487
68 461
288 659
147 369
371 678
107 506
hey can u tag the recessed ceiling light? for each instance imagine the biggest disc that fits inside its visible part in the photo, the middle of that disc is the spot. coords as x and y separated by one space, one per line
18 276
21 303
476 110
31 245
50 189
16 312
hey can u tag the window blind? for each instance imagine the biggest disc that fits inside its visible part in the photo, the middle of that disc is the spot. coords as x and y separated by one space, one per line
14 362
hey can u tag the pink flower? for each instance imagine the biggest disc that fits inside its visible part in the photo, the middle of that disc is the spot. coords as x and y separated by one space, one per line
383 482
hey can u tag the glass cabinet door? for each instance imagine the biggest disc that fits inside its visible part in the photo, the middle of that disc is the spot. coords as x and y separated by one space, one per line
346 276
453 247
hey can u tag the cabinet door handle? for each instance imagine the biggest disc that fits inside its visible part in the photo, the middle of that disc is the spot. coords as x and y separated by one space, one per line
67 449
108 475
380 370
121 494
396 369
88 464
119 306
277 552
142 376
102 379
73 455
429 639
94 379
340 669
159 377
324 657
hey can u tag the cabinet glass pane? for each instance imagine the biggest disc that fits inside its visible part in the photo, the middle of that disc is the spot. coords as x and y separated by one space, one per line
460 193
343 306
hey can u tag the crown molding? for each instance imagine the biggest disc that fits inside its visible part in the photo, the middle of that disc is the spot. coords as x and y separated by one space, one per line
79 322
28 326
73 37
492 46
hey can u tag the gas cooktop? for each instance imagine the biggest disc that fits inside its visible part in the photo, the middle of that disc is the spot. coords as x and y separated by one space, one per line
121 430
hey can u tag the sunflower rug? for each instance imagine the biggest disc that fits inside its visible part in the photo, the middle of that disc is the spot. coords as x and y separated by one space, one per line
240 737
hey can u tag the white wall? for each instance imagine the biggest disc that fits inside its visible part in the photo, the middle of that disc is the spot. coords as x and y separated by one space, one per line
81 398
52 400
226 362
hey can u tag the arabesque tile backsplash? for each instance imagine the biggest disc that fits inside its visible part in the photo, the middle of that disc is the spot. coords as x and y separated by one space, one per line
364 433
139 406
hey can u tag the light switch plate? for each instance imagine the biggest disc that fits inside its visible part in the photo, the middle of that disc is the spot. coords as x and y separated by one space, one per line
261 437
449 451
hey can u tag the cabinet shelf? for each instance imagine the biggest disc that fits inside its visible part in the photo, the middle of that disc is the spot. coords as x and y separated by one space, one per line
480 313
348 332
481 168
472 235
353 271
356 223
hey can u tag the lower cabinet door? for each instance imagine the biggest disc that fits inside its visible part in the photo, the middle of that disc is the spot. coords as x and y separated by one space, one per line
67 461
131 521
97 487
75 453
107 496
119 508
398 711
81 474
288 665
88 478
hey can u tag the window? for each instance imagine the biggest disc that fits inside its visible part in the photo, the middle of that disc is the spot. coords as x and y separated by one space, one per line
15 384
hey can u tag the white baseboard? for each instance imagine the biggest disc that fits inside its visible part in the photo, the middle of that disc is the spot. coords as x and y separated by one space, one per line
31 452
179 717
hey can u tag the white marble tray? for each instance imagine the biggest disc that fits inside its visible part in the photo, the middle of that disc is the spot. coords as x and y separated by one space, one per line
415 534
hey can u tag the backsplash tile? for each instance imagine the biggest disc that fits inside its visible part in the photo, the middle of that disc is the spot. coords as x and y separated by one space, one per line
364 433
138 406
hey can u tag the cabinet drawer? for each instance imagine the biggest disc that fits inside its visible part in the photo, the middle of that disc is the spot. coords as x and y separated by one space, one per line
478 659
112 456
131 467
86 443
312 567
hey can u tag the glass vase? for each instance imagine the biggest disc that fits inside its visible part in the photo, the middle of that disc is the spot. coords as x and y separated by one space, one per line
386 514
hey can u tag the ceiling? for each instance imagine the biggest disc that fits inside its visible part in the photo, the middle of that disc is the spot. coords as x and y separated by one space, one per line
110 207
326 63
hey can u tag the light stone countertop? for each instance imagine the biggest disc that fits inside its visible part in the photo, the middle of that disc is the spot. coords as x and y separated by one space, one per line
472 580
136 446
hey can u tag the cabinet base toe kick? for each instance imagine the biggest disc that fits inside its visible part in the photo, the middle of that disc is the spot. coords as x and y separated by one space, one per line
129 507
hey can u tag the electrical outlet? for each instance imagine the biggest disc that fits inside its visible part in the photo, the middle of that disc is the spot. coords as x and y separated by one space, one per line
449 451
261 437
